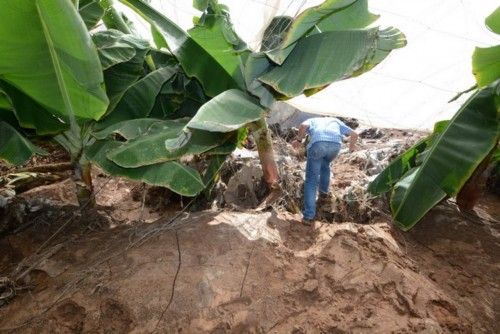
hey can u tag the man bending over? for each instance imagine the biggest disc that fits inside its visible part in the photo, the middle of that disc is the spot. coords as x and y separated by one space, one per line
325 139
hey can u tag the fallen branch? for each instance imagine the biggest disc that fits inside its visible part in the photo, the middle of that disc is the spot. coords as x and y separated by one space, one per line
55 167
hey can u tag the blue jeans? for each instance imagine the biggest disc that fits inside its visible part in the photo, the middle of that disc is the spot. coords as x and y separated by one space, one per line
319 157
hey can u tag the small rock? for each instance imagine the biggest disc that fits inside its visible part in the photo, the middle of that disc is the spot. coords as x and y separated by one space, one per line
310 285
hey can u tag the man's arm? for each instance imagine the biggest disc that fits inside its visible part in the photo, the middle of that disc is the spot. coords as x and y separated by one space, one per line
300 136
353 138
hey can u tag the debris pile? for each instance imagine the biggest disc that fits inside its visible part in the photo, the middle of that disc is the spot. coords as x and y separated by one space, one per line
243 188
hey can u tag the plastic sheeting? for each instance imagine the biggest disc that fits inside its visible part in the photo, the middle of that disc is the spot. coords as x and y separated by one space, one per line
412 87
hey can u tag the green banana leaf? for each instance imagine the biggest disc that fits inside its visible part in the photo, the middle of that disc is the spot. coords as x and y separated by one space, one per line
4 101
139 99
7 116
486 65
195 60
355 16
256 65
177 177
91 12
31 115
275 32
321 59
115 47
55 64
486 61
410 159
14 148
227 112
151 149
211 34
398 168
129 129
454 155
120 77
335 15
493 21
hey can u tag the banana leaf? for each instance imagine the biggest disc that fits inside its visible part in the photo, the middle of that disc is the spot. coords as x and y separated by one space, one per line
493 21
139 99
122 76
31 115
256 65
195 60
47 54
150 148
227 112
410 159
454 155
4 100
211 33
486 65
355 16
14 147
91 12
129 129
486 61
115 47
275 32
335 15
177 177
320 59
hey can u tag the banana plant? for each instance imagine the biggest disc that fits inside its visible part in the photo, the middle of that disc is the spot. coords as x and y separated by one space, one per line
448 163
65 83
326 43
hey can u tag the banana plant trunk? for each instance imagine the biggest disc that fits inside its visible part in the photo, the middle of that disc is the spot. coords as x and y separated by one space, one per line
264 143
475 185
83 180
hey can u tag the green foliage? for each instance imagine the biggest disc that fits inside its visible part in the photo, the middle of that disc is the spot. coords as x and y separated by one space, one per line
493 21
120 77
141 130
315 63
91 12
32 115
218 114
14 148
139 99
115 47
59 74
486 61
439 166
275 32
195 60
410 159
182 179
306 22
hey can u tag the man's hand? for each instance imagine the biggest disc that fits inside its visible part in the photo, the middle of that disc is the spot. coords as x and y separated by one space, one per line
296 144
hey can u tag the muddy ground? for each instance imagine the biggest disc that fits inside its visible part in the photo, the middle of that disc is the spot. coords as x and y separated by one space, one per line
141 267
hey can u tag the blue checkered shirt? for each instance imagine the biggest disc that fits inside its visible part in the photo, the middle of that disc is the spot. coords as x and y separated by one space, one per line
328 129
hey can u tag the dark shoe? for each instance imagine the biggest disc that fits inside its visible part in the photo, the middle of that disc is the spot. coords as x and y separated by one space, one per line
324 199
307 222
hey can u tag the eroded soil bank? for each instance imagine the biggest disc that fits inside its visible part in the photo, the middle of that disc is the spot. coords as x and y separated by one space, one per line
235 272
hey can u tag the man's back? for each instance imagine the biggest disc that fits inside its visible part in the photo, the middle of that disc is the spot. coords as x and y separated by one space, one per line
328 129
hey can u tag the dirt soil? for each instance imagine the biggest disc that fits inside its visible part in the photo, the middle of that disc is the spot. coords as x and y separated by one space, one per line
122 268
